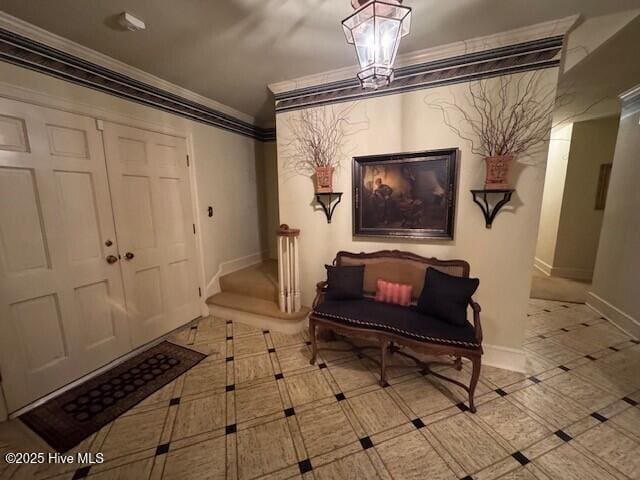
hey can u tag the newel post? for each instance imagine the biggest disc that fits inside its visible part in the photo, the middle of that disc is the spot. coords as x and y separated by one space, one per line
288 270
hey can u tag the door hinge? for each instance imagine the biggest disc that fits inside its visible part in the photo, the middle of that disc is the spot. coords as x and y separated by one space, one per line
199 292
99 124
194 228
187 160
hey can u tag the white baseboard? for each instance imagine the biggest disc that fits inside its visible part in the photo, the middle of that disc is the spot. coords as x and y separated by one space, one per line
504 357
572 273
620 319
281 325
543 266
563 272
231 266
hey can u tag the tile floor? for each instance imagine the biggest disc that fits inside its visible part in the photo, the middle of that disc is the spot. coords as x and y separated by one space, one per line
255 408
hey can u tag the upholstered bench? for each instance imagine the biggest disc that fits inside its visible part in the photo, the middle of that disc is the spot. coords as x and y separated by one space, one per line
392 325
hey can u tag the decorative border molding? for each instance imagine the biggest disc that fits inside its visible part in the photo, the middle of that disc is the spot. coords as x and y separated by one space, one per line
28 53
531 55
620 319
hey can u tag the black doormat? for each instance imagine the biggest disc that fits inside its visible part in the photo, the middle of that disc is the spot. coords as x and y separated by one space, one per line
66 420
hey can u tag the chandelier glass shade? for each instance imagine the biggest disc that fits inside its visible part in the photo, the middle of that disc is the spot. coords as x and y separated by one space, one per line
376 29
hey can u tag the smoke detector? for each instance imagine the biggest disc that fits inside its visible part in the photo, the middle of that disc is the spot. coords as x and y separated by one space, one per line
130 22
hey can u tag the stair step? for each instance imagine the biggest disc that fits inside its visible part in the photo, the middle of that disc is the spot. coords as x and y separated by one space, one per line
254 305
260 280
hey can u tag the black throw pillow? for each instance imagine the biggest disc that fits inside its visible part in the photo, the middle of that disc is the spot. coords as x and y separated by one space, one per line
446 297
344 283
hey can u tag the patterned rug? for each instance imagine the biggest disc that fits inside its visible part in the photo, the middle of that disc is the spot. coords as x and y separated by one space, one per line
66 420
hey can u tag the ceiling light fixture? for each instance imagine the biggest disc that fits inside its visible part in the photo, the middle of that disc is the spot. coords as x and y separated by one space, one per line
376 28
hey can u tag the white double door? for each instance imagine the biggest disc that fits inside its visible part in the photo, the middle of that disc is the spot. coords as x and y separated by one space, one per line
97 248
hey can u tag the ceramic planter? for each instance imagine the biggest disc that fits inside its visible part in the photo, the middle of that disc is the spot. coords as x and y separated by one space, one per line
498 168
324 179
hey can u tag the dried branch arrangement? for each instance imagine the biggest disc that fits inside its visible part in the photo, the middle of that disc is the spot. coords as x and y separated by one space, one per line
317 137
508 115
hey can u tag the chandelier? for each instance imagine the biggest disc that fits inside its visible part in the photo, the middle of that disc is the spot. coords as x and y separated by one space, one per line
376 28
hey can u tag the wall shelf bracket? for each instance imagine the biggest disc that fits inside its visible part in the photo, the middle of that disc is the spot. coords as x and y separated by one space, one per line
326 200
490 211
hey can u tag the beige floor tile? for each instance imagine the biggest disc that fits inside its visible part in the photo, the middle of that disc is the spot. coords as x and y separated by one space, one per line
307 387
554 408
471 446
244 346
335 352
607 378
422 396
283 339
134 432
535 364
242 329
352 375
264 449
519 474
411 457
514 425
210 329
294 358
583 392
629 421
199 416
353 467
203 461
257 401
138 470
550 350
158 398
377 411
615 448
499 376
252 368
205 377
324 429
216 350
566 463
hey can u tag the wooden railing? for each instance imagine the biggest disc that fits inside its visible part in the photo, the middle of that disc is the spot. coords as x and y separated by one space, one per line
288 270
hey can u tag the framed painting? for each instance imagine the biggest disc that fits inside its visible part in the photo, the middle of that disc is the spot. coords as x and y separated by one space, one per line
406 195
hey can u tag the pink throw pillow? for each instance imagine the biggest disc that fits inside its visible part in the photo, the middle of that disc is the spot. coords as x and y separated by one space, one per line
390 292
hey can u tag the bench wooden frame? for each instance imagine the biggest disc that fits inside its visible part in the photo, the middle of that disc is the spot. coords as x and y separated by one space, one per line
388 341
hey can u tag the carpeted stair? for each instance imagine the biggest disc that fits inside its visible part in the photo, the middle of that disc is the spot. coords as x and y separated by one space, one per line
251 296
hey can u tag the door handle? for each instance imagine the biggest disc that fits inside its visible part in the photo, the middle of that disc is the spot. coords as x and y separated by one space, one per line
111 259
129 255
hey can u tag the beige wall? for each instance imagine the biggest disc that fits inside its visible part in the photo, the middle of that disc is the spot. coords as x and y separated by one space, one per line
555 177
569 223
616 279
501 257
592 144
225 163
270 162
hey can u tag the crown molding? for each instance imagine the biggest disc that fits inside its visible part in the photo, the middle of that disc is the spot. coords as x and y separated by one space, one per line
631 94
29 46
531 33
532 55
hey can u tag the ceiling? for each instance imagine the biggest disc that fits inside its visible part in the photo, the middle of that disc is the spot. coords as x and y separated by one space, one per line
592 87
230 50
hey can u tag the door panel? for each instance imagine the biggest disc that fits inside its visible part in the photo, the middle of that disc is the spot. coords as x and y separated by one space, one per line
62 305
149 182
